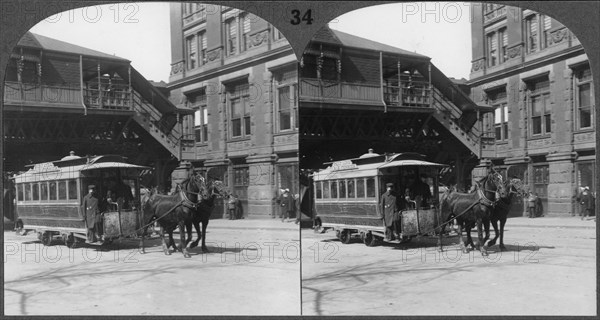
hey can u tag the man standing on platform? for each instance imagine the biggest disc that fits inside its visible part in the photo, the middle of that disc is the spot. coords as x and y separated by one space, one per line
90 208
389 206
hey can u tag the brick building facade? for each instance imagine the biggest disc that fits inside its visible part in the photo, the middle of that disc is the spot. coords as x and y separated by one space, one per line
536 75
239 75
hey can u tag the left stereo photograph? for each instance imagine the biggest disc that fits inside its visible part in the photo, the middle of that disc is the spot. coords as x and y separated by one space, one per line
150 164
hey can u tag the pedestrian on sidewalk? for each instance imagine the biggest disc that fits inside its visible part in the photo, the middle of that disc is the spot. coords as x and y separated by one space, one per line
286 202
587 202
232 205
531 204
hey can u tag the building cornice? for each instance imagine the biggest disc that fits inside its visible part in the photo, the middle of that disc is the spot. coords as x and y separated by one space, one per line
234 66
526 66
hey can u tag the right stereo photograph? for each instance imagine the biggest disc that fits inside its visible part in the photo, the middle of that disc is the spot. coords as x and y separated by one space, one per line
447 162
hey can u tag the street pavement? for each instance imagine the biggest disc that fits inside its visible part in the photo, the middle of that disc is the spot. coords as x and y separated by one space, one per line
253 269
548 269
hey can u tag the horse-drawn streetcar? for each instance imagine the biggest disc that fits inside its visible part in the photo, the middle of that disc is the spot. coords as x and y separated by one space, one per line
51 198
349 197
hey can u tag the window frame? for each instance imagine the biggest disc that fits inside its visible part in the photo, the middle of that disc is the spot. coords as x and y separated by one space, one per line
580 81
239 92
543 94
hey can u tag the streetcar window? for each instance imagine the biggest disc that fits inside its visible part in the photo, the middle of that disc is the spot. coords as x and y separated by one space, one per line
73 190
35 191
360 188
326 194
370 187
44 191
342 188
28 192
62 190
20 192
334 190
351 193
52 189
318 190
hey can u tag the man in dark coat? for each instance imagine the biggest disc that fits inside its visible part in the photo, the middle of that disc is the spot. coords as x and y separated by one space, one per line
287 203
587 202
90 209
389 206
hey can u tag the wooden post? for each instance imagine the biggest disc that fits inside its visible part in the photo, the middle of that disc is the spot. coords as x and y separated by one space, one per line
381 81
430 87
399 84
130 90
100 104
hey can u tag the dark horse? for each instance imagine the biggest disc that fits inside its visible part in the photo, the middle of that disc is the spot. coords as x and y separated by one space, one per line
471 208
513 187
175 211
204 210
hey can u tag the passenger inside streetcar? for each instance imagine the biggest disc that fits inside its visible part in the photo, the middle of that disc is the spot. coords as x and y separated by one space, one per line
418 192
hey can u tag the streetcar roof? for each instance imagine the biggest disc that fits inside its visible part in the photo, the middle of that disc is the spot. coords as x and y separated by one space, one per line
349 169
72 168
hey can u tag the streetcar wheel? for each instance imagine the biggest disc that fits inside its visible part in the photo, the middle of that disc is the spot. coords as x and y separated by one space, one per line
345 236
47 238
70 240
318 228
405 239
370 240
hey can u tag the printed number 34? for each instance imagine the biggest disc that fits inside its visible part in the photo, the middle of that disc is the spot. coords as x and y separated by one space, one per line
306 17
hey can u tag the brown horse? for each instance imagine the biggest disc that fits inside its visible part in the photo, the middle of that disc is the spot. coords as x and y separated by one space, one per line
204 209
175 211
513 187
471 208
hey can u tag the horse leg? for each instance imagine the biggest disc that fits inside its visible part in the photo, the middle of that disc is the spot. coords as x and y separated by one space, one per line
502 222
494 221
463 244
204 225
182 240
481 244
440 249
196 223
164 242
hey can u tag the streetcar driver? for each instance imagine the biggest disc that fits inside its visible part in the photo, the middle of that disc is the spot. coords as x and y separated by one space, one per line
418 190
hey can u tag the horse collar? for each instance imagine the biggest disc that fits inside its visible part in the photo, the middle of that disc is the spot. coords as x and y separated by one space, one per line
484 200
186 201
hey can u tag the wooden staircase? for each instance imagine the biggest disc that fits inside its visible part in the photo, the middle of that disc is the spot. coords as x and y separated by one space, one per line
162 129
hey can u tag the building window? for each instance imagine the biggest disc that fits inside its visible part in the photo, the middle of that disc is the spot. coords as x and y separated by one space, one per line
287 178
535 39
503 37
192 54
239 110
539 104
584 98
540 180
201 124
531 33
231 27
202 43
245 22
286 100
586 175
492 44
547 25
277 35
241 177
498 101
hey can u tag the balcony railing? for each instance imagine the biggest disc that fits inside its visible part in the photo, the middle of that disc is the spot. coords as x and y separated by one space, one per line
117 98
111 99
414 95
31 92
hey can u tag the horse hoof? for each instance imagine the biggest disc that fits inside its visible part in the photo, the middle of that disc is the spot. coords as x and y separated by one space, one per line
186 254
205 250
193 244
502 248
